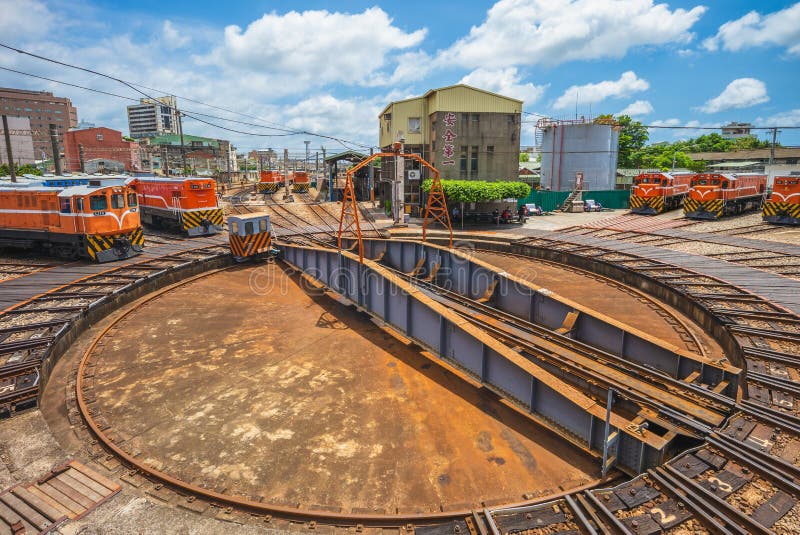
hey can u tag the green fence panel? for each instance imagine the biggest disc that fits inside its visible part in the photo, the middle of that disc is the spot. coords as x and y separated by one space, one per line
552 200
548 200
615 198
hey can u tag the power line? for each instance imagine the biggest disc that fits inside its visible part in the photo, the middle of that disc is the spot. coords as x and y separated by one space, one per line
190 115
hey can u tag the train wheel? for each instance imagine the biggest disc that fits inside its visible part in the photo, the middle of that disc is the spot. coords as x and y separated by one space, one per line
68 252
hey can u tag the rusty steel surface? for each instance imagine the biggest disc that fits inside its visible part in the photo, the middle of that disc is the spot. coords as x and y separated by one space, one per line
620 303
287 402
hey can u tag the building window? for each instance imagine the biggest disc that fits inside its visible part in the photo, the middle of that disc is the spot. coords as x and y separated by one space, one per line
476 118
463 160
99 136
473 164
490 150
510 118
433 146
465 117
413 125
387 116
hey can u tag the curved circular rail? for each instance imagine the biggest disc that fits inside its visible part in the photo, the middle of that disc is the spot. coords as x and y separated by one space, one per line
252 506
655 303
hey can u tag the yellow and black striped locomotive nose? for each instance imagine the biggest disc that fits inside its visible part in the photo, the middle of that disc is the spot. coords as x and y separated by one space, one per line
246 246
781 212
300 188
636 201
702 209
267 186
123 245
646 205
137 237
195 218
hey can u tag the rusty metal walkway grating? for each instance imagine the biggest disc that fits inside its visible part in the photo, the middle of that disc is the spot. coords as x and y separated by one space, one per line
67 492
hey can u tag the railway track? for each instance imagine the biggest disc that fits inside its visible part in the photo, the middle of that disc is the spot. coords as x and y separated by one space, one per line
592 369
30 328
742 252
742 479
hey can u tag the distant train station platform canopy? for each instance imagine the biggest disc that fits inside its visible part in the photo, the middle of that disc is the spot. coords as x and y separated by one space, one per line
733 165
349 155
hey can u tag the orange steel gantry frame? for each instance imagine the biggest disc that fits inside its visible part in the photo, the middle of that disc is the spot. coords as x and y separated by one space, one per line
436 207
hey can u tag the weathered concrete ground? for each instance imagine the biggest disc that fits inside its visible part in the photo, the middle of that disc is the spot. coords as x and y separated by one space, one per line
303 401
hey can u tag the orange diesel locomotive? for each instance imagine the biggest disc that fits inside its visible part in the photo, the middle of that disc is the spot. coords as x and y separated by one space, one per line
300 181
189 204
270 182
654 193
714 195
99 221
783 205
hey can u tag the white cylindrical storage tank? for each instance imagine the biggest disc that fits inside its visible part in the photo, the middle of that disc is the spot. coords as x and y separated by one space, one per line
587 148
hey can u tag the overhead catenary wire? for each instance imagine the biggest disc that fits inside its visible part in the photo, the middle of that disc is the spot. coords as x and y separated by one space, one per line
195 115
191 115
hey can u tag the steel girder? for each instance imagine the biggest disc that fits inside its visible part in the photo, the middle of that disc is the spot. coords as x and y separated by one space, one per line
542 396
459 271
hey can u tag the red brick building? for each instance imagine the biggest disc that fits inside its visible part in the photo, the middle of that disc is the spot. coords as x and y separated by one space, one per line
103 150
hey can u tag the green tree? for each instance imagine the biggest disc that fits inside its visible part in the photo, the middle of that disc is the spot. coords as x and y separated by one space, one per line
480 190
524 157
632 137
27 169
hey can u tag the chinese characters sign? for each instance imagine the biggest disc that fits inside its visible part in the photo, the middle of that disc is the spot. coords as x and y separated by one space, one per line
448 149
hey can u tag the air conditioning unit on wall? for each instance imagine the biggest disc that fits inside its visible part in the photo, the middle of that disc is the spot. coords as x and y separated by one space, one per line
413 174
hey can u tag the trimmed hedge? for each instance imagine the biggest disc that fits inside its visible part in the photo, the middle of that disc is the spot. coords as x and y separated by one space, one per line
480 190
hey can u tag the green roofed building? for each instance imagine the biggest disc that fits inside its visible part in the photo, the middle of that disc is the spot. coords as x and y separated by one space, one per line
203 155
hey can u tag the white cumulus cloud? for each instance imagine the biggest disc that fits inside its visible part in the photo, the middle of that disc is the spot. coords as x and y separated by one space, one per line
526 32
174 37
506 82
786 118
781 28
29 17
740 93
639 107
316 47
627 84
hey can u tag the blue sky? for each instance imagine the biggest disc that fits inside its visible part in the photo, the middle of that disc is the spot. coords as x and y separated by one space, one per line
330 67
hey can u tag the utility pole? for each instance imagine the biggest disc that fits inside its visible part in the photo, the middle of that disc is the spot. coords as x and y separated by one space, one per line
327 176
772 148
54 142
7 136
80 158
183 152
398 191
305 163
316 168
287 195
165 161
370 180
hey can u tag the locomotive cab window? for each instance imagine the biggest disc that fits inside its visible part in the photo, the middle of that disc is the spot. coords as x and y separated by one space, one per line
235 227
725 185
262 225
132 201
79 204
249 228
65 206
117 200
664 182
98 202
